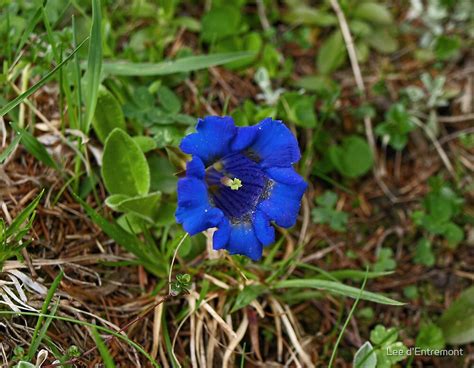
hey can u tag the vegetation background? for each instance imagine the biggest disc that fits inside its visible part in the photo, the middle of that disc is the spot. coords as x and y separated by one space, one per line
95 98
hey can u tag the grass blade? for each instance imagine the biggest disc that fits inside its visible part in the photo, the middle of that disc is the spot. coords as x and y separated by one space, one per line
49 33
33 146
23 216
7 151
333 355
104 352
77 75
94 65
186 64
30 25
44 329
37 334
336 288
16 101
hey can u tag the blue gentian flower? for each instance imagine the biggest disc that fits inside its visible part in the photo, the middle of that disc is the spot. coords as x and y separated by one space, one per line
240 180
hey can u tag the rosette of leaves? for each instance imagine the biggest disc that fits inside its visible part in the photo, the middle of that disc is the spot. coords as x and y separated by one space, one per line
382 351
441 206
134 189
126 176
396 127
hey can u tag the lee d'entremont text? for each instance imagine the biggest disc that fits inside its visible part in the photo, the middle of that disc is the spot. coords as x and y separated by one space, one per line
416 351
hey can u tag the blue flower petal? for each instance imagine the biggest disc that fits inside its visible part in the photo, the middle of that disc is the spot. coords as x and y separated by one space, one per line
244 138
212 140
264 231
284 175
195 168
283 204
275 145
194 211
222 235
244 241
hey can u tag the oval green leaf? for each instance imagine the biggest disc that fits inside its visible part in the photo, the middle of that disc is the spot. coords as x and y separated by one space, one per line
108 115
457 322
145 206
124 166
332 54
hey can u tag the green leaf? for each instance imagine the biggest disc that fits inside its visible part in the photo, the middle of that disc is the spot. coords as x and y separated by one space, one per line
383 42
132 223
30 26
392 353
104 352
385 261
166 214
23 364
11 147
22 217
453 233
447 47
328 199
251 42
186 64
362 51
169 100
247 296
108 115
162 174
19 99
299 109
40 328
316 83
145 143
94 65
304 112
336 288
430 337
424 254
357 274
124 166
34 147
365 357
373 12
326 214
303 14
145 206
220 22
397 126
457 322
353 157
332 53
383 336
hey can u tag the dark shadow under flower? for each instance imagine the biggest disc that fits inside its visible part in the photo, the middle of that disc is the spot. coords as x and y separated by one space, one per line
239 180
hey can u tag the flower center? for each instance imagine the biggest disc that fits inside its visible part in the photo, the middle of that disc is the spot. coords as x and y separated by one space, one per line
233 184
236 185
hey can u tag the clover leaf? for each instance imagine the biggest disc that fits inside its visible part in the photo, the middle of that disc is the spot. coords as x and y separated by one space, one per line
325 213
